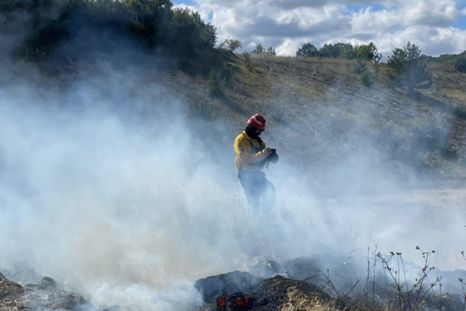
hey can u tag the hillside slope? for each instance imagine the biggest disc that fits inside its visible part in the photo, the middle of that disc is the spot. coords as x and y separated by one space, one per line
321 110
324 113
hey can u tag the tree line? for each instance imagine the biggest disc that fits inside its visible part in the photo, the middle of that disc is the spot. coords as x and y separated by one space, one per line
344 50
153 26
407 63
107 27
401 57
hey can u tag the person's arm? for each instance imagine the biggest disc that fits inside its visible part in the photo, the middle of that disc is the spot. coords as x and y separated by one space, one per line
260 156
243 152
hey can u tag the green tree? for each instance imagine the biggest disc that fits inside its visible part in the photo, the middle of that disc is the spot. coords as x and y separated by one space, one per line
231 44
403 58
368 52
153 26
186 24
145 5
327 50
270 52
307 50
344 50
409 66
185 36
259 49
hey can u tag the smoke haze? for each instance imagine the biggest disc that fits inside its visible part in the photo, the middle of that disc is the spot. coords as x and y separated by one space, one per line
109 185
129 206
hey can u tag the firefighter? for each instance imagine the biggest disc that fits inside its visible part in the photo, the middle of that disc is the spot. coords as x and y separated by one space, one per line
251 157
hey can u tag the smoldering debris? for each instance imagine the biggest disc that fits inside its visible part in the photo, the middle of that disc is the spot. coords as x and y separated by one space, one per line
335 282
242 291
46 295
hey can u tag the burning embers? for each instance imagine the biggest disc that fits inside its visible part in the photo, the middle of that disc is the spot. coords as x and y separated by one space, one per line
235 302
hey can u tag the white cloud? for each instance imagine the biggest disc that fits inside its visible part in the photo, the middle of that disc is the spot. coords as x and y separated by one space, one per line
286 25
439 13
371 21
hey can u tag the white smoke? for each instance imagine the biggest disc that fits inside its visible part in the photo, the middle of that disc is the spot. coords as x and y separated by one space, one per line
99 198
105 186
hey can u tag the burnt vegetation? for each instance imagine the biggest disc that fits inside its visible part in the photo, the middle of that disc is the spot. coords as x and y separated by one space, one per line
391 283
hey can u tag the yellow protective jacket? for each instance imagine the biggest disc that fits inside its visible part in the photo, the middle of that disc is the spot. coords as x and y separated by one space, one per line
248 152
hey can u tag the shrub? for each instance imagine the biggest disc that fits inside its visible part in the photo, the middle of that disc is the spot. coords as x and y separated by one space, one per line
307 50
460 112
403 58
270 52
460 64
409 65
186 37
360 65
231 44
367 79
76 28
368 52
410 295
259 49
248 62
214 84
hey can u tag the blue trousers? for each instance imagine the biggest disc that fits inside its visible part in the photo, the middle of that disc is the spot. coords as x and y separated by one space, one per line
259 191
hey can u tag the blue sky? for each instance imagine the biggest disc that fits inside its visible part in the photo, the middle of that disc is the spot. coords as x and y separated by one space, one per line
189 2
461 23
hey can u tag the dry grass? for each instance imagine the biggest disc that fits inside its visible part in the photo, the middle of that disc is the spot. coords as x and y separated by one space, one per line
320 100
299 301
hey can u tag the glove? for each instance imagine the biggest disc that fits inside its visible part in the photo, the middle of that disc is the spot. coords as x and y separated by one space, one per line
267 152
273 157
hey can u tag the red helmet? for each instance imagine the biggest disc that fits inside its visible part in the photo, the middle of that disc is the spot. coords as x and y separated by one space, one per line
258 121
